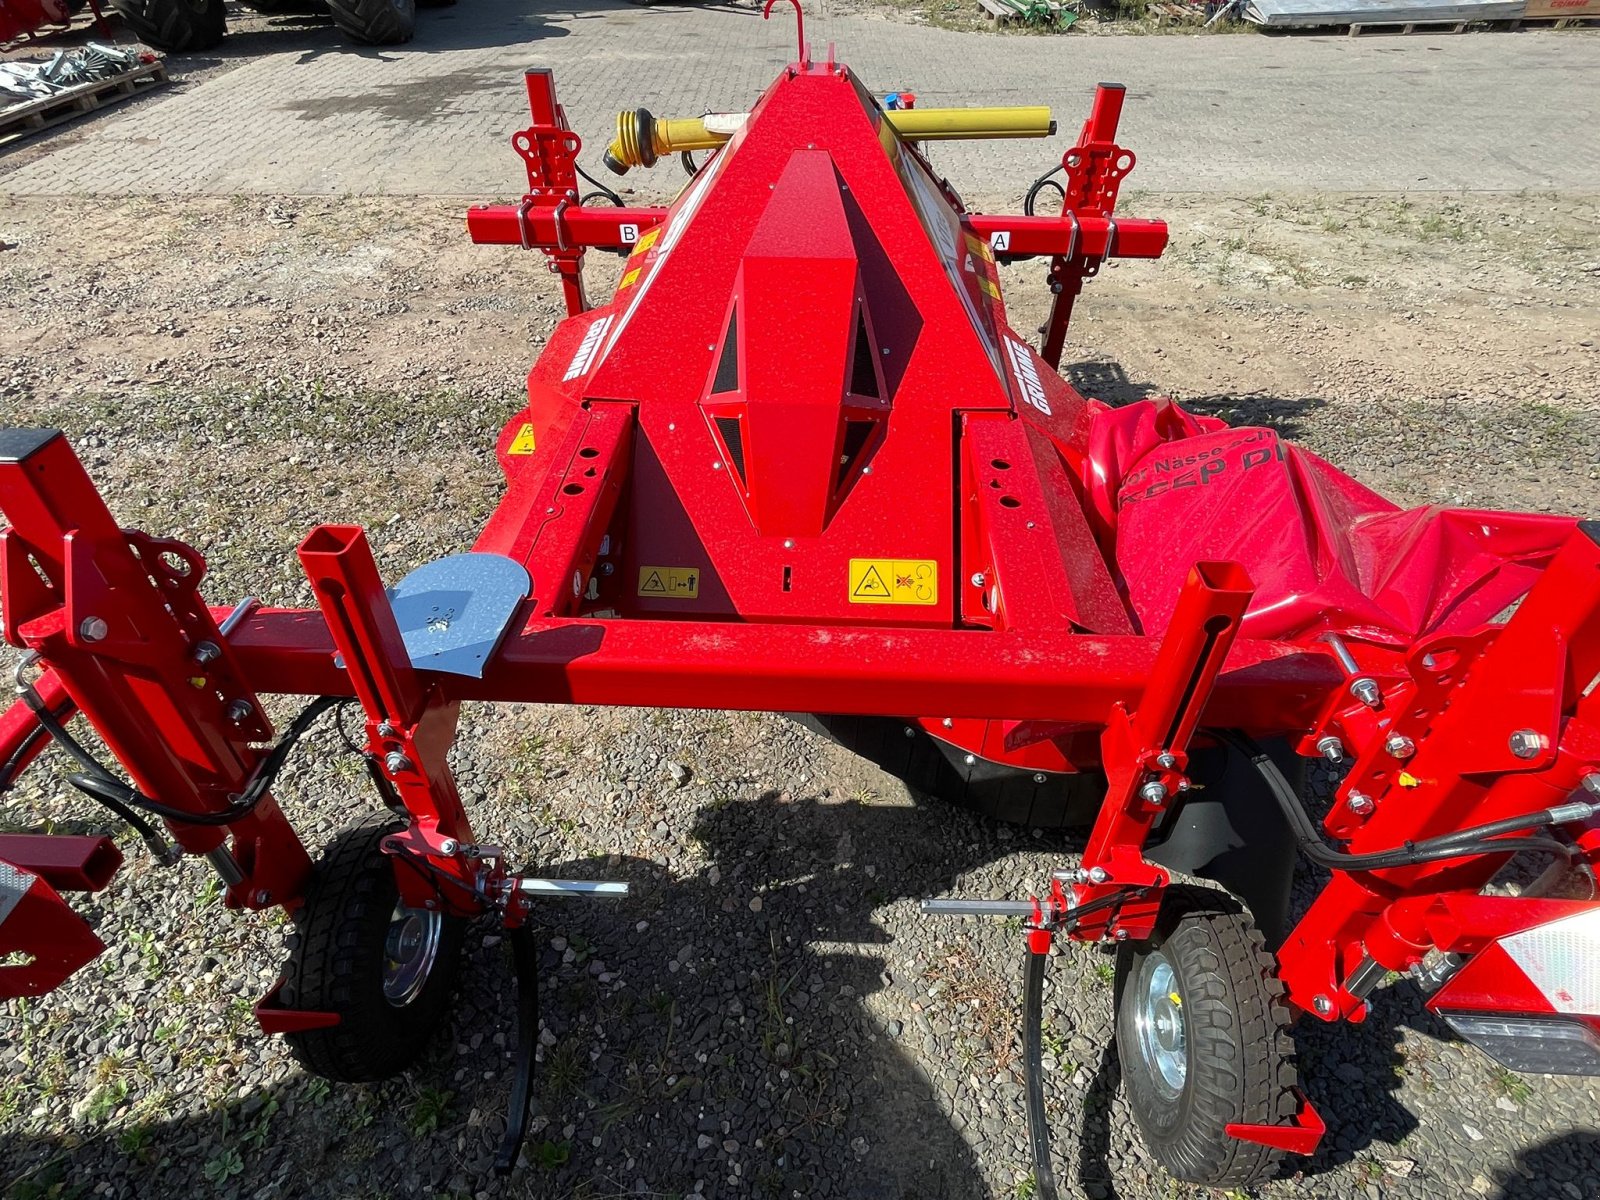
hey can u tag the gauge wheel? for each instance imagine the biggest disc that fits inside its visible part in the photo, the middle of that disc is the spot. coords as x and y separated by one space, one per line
356 950
1202 1038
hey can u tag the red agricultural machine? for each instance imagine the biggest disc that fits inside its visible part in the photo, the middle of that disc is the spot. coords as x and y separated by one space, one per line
800 461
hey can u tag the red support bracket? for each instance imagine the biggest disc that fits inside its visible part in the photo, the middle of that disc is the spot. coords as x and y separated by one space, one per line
1301 1136
410 726
68 864
117 618
1145 753
42 941
273 1017
549 149
1094 168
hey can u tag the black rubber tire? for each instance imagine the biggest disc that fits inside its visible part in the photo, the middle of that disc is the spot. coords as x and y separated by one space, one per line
376 22
1240 1059
179 25
336 956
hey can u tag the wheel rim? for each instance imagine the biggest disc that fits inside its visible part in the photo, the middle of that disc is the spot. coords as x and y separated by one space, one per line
409 951
1159 1021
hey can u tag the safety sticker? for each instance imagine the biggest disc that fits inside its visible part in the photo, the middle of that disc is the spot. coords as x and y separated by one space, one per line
629 279
670 583
979 248
524 442
894 581
648 240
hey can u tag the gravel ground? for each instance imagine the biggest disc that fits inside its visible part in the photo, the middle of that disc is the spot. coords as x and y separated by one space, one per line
768 1015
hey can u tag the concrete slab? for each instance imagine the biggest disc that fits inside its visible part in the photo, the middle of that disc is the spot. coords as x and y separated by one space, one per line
1205 113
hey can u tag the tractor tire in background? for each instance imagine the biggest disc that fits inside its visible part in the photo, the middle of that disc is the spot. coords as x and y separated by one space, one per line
1202 1039
376 22
179 25
387 970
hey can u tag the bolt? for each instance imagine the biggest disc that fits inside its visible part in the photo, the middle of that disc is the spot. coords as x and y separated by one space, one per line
1360 803
386 730
93 629
263 897
1166 760
1331 748
239 710
1323 1005
1122 935
395 762
206 652
788 543
430 904
910 732
1098 875
1399 745
948 723
1039 777
1366 691
1527 743
1591 783
977 579
449 846
970 760
608 568
1154 792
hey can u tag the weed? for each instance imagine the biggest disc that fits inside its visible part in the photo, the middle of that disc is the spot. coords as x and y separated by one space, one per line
551 1155
430 1110
1513 1086
224 1166
106 1099
1027 1188
317 1090
135 1141
257 1136
210 892
1105 972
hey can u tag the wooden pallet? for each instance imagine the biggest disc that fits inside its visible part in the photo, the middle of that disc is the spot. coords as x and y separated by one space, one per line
998 10
33 116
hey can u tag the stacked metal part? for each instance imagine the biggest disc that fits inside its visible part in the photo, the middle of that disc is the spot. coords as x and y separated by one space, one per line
65 69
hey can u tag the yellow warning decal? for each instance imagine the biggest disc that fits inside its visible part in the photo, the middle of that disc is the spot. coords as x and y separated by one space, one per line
989 287
524 442
894 581
980 248
629 279
670 583
647 240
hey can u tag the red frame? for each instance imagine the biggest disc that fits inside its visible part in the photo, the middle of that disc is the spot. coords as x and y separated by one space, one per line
1023 648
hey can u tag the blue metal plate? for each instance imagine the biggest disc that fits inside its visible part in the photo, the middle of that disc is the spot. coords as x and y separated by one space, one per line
453 612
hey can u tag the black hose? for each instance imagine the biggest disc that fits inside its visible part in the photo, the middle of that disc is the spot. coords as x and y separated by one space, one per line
1040 184
1463 843
690 167
12 770
100 784
602 190
1044 1174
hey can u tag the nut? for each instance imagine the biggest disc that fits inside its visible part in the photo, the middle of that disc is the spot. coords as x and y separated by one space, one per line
449 846
1331 748
1166 760
1366 690
207 652
1399 745
1323 1005
394 762
93 629
1154 792
1098 875
1360 803
239 710
977 579
1527 743
1591 783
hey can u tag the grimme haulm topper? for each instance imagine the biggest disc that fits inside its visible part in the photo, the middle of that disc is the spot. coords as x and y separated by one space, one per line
800 461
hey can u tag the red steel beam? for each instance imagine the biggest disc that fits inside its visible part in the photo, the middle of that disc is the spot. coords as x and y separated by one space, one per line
1063 677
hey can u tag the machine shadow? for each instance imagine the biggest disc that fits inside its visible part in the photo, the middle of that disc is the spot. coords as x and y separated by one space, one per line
1108 381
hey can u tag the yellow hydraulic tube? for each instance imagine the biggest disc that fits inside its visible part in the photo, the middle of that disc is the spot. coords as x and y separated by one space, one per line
642 139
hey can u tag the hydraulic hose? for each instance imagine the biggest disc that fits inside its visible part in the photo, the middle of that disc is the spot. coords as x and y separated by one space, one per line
1044 1173
1463 843
100 784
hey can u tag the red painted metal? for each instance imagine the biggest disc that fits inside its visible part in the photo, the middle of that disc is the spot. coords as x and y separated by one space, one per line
42 941
1300 1137
801 461
273 1017
67 863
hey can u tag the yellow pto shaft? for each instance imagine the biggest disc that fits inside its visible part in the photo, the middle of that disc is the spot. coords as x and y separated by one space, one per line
642 139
